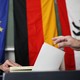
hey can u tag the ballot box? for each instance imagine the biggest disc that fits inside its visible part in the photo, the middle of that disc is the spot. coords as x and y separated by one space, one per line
47 75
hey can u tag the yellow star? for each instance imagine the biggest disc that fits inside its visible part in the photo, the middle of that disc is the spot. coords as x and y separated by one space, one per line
1 29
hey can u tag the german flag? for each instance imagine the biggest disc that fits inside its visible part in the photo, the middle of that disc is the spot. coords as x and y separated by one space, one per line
38 26
20 32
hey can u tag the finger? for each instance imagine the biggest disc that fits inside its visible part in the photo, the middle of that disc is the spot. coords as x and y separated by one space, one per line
61 39
55 38
62 44
15 64
58 38
9 63
6 69
58 41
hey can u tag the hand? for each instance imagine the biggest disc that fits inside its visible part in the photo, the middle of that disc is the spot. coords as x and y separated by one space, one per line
67 41
7 64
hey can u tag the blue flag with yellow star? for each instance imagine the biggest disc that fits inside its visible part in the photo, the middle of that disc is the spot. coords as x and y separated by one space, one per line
3 27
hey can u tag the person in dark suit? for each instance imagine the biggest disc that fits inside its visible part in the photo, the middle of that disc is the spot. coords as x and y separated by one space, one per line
67 41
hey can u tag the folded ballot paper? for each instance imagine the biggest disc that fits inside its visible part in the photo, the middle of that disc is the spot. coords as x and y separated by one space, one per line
49 59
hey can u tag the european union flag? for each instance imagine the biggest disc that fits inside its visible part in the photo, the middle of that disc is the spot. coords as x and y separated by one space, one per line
3 27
